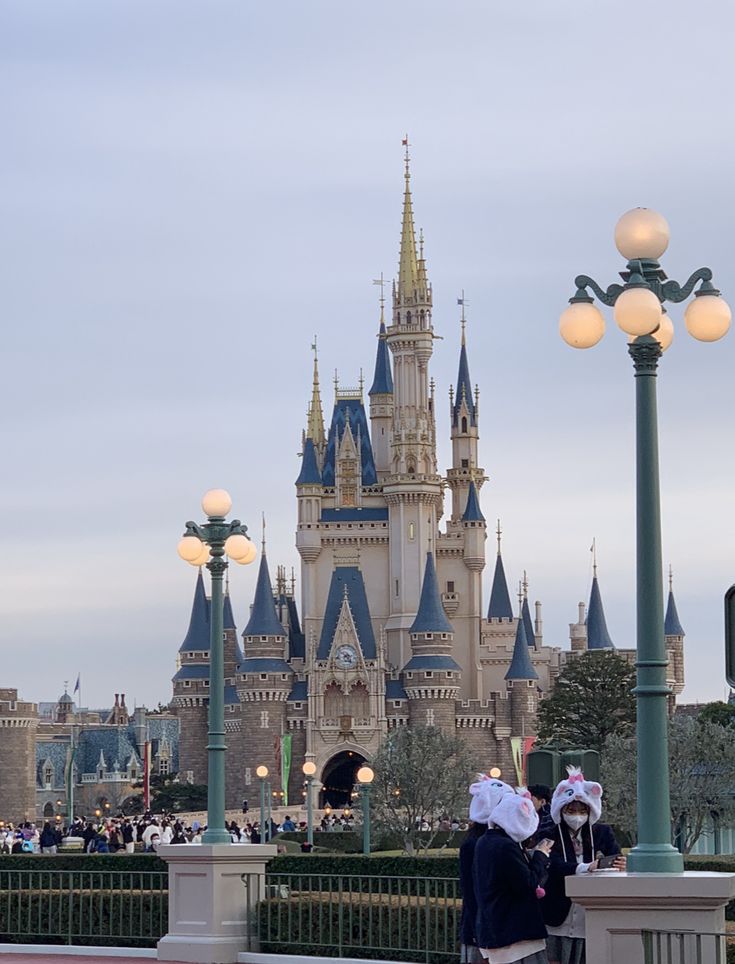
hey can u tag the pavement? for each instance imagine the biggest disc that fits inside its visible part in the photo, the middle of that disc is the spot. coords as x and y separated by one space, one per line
49 957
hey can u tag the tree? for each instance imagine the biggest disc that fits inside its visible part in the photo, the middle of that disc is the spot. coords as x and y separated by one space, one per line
170 795
723 714
421 774
592 698
701 768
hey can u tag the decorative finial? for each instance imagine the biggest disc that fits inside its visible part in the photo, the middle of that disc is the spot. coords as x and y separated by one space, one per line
227 581
525 584
362 382
293 582
336 383
66 685
593 550
407 156
671 578
382 282
421 244
520 597
263 531
313 348
498 533
463 321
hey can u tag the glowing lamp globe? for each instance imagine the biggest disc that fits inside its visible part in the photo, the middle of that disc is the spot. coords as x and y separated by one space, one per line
237 547
495 772
309 768
262 772
250 554
216 502
365 775
202 559
642 234
190 548
637 311
581 324
707 317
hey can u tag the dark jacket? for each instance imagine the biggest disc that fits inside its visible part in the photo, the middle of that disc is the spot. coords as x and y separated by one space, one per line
505 880
598 838
467 890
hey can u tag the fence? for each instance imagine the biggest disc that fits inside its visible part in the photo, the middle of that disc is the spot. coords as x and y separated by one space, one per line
685 947
404 918
109 908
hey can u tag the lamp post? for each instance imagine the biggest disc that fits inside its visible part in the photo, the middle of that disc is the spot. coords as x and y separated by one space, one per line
309 769
365 776
262 772
641 237
207 545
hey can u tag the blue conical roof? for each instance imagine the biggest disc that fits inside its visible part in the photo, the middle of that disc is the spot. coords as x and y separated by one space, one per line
521 666
431 617
527 623
309 474
383 379
597 635
672 626
500 607
263 620
197 638
228 617
464 388
472 512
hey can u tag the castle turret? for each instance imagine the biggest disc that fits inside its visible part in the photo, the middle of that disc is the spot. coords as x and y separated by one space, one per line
597 635
191 690
526 616
464 418
18 726
431 677
674 635
521 679
381 404
500 607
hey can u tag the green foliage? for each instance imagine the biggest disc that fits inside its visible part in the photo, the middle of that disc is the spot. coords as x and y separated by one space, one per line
83 862
360 866
170 796
592 699
722 714
421 773
701 764
350 842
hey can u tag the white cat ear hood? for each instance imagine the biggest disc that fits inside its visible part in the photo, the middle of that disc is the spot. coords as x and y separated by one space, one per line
575 787
517 816
486 795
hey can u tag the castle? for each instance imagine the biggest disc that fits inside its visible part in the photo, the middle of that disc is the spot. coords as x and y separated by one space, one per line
393 629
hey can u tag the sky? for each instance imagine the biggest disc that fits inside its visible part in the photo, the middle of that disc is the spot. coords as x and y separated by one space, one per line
191 190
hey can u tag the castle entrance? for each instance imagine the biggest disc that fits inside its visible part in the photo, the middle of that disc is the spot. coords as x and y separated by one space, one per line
339 779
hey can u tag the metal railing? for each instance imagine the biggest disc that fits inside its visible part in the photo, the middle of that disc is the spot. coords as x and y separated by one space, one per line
107 908
404 918
684 947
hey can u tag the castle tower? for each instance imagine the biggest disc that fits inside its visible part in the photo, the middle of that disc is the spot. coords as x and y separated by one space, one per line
674 635
381 404
464 420
500 608
413 488
264 681
64 708
191 690
597 635
526 616
521 680
18 726
432 678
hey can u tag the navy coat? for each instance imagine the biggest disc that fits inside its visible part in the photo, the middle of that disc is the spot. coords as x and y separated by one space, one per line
467 890
598 838
505 880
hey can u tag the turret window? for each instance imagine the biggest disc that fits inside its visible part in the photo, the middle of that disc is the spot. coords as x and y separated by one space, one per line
465 462
264 676
430 718
429 674
464 423
264 725
411 531
445 635
450 586
48 775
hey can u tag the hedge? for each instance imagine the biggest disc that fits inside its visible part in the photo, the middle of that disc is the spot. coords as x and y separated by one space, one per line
350 841
81 861
358 865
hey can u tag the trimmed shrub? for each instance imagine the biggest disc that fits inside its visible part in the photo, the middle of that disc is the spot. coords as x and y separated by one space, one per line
361 866
76 861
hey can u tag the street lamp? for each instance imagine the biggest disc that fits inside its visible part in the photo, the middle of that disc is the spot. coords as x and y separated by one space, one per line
642 236
262 772
365 777
495 772
206 545
309 769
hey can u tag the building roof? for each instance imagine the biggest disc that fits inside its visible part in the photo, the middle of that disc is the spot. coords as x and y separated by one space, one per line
500 607
347 581
430 617
263 620
286 607
193 671
527 622
408 269
228 617
521 666
472 511
383 379
597 635
197 637
264 664
309 474
299 691
431 662
672 626
349 410
464 389
394 690
355 514
231 697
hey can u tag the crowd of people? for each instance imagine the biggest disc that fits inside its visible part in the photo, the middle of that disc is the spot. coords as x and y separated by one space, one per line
520 847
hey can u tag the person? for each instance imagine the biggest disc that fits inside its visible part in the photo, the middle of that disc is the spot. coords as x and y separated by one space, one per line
19 844
576 807
244 806
486 793
508 881
541 796
128 836
288 824
255 833
48 839
155 840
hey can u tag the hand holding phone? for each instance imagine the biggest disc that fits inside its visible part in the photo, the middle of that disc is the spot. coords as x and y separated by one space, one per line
545 845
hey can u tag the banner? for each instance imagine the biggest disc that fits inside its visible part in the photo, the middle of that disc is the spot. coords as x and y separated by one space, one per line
285 765
516 746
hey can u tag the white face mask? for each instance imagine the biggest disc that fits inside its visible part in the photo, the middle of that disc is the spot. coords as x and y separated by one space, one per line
575 821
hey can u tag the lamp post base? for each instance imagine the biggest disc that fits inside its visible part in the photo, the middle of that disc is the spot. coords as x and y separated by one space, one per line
619 906
655 859
212 899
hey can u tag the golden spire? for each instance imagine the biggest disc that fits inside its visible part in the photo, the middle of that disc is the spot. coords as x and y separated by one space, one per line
408 260
315 429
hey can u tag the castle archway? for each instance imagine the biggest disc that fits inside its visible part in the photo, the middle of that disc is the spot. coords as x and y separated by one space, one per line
339 778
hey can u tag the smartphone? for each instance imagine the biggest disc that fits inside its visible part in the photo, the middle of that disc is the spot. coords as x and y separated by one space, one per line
547 842
605 863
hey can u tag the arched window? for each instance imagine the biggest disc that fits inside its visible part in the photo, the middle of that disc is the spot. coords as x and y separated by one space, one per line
333 701
464 423
359 704
408 317
48 775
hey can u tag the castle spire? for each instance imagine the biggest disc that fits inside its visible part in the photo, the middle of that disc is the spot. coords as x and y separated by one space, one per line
526 614
408 271
472 512
263 620
197 637
430 617
464 394
672 625
315 427
500 606
383 378
597 635
521 667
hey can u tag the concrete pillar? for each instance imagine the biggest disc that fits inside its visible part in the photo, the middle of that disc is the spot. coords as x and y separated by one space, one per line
619 906
210 906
